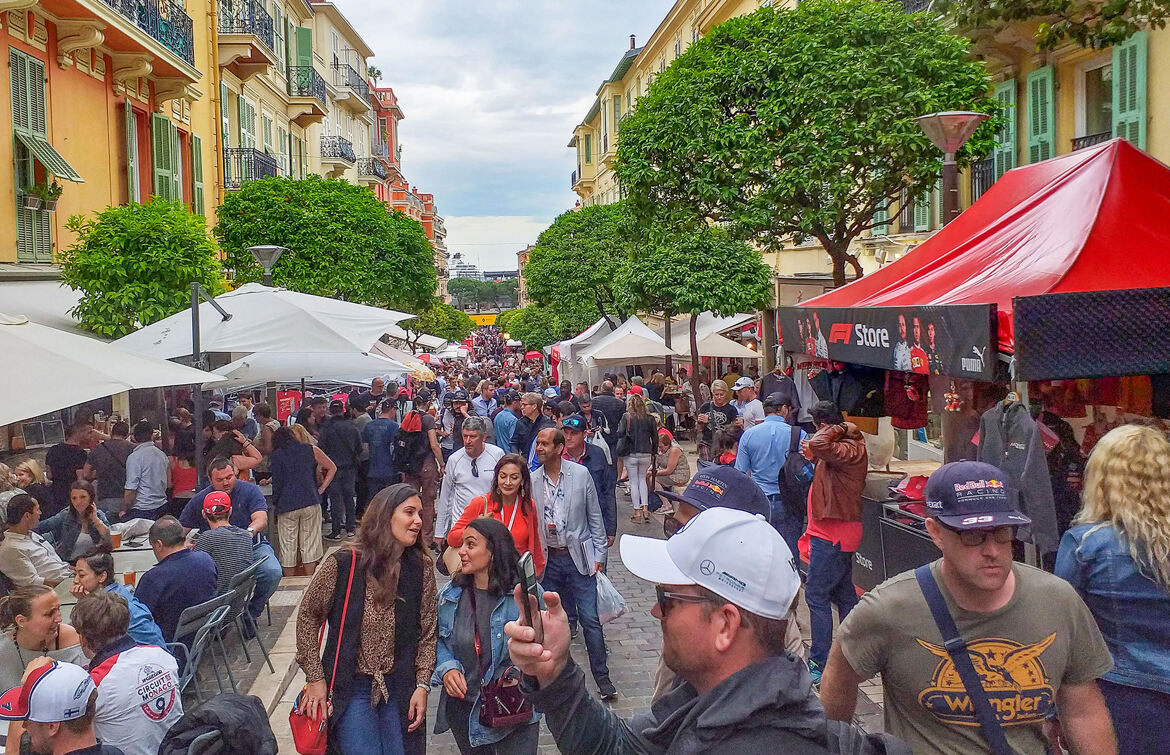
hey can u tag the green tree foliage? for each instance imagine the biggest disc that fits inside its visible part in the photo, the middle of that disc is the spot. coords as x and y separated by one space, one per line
1088 23
468 293
537 326
701 271
504 318
135 265
800 122
342 242
444 321
576 258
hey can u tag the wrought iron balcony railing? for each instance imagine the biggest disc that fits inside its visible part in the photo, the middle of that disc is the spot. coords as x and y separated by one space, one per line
344 75
246 17
164 20
572 179
1091 140
304 81
982 176
368 166
380 149
242 164
338 148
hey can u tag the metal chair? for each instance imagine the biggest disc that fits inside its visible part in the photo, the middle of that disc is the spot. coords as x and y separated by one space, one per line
240 588
204 620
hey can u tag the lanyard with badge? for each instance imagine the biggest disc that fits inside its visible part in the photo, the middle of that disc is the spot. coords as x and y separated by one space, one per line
552 506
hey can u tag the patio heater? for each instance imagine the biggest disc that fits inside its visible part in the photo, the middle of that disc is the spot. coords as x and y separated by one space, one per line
949 131
267 256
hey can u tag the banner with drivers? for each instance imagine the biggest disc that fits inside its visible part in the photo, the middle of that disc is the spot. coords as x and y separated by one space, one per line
956 340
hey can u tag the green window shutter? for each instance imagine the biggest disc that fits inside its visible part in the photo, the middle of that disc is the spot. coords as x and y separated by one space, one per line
588 149
38 122
176 165
133 190
160 134
881 218
19 67
1129 89
44 247
922 213
225 116
1005 141
1041 116
304 46
938 204
197 202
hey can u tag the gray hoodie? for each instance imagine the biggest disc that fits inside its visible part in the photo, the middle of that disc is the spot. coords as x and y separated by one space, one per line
767 707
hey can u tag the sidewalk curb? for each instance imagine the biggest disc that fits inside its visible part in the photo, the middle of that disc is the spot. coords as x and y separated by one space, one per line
271 687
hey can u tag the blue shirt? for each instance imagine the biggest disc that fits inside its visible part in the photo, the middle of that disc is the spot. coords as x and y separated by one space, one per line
146 475
505 424
380 435
143 629
247 499
183 579
763 450
483 408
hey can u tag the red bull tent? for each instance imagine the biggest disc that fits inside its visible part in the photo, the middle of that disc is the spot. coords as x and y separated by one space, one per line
1070 256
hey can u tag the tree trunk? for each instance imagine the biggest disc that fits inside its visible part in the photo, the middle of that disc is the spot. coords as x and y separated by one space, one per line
839 252
698 396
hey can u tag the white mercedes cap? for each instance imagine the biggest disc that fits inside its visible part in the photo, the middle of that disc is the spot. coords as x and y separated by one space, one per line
734 554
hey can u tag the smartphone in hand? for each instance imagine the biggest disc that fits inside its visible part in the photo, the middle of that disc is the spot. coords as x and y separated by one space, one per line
531 615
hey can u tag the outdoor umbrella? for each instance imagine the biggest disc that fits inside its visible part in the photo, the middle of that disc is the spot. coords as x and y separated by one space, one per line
427 358
52 369
312 367
267 319
534 355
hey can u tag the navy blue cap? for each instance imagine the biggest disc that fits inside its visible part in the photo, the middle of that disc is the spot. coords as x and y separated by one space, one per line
722 486
971 495
459 395
575 422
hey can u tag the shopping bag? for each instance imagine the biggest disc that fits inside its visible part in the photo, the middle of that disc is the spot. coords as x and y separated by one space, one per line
610 603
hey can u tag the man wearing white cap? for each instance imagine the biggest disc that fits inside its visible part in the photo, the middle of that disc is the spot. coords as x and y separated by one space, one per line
750 408
56 705
724 582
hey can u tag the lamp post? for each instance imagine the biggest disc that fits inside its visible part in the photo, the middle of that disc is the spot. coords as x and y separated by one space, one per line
949 131
267 256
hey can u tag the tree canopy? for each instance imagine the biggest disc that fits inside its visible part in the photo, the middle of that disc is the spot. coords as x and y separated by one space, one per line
537 326
800 122
342 242
1088 23
468 293
135 265
444 321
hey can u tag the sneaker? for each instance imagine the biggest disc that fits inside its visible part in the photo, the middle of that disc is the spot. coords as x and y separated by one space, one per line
334 536
350 534
815 670
606 689
573 632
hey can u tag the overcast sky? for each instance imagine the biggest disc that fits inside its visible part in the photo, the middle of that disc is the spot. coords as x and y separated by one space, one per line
492 90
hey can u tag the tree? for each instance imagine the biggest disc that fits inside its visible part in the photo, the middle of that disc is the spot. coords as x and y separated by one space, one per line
575 259
135 265
342 242
800 122
701 271
1088 23
536 326
444 321
465 292
375 74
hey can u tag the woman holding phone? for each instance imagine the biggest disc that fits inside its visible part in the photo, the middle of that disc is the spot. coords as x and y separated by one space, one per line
509 502
80 527
472 648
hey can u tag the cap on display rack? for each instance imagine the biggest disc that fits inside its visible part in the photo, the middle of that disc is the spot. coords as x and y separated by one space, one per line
969 495
734 554
52 693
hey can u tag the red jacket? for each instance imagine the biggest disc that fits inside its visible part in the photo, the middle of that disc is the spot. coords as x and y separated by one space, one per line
842 464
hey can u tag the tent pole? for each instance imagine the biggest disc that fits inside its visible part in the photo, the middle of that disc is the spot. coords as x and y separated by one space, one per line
197 390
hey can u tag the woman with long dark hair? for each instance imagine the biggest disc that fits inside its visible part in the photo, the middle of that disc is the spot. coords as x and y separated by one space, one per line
508 502
387 649
80 527
638 429
95 571
472 648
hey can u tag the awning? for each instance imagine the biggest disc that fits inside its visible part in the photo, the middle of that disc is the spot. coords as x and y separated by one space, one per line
49 157
45 302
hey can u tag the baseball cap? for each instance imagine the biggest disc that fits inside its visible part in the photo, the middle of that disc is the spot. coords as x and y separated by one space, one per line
575 422
423 395
967 495
912 488
722 487
734 554
459 395
743 382
551 392
336 405
635 389
54 692
217 502
776 400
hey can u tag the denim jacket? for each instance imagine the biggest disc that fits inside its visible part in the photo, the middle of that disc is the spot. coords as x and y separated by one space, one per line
1130 608
505 611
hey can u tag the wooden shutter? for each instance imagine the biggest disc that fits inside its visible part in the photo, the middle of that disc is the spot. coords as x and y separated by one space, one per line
44 242
176 165
19 68
225 116
922 213
1129 89
1005 141
304 46
198 205
33 227
881 218
1041 116
133 190
162 146
38 122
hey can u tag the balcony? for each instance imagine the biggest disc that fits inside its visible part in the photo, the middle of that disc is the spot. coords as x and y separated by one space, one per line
371 170
336 155
163 21
1081 142
353 91
982 176
242 164
307 98
380 150
246 44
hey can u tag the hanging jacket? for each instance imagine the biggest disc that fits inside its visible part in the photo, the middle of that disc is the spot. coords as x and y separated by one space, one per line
1010 439
240 721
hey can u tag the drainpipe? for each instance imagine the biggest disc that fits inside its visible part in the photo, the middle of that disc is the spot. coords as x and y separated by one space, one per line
217 106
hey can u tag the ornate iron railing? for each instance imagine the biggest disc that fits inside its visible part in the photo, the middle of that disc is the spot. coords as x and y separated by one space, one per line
1091 140
246 17
242 164
982 176
164 20
344 75
572 179
368 166
304 81
337 147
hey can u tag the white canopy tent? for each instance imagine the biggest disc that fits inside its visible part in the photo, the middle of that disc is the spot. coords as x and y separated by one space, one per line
430 343
289 368
410 360
52 369
570 369
631 343
454 352
267 319
710 342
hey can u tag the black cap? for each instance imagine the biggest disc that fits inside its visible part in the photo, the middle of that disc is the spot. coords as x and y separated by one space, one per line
722 486
972 495
336 405
777 400
575 422
422 396
511 396
459 395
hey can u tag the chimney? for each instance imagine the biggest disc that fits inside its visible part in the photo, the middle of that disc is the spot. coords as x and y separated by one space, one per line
633 42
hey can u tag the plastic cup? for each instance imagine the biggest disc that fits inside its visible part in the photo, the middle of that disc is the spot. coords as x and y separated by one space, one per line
130 578
116 540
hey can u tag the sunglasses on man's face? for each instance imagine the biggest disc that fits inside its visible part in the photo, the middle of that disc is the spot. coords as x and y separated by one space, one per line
975 538
666 599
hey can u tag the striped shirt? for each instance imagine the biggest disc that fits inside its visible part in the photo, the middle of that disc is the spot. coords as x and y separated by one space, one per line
230 548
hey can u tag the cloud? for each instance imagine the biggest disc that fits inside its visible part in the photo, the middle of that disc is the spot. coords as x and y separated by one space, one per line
497 238
491 92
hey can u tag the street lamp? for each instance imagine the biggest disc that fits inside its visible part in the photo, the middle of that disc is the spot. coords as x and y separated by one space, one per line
949 131
267 257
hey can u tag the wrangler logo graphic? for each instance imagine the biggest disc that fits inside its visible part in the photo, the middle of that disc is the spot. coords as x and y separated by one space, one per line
1012 674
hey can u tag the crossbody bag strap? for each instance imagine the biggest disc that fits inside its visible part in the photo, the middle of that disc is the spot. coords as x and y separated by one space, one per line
341 627
956 647
794 440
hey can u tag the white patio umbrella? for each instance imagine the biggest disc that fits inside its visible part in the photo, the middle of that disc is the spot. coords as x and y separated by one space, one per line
266 319
49 369
312 367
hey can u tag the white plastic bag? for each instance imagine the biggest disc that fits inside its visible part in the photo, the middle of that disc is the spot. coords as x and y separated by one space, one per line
610 603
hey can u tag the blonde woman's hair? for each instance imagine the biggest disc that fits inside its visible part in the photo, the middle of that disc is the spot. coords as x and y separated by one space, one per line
1127 484
6 478
301 434
635 405
32 466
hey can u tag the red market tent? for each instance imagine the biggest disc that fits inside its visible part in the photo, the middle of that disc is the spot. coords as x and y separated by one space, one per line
1093 220
534 355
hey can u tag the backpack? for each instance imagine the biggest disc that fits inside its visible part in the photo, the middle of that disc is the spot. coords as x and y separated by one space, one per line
411 445
796 476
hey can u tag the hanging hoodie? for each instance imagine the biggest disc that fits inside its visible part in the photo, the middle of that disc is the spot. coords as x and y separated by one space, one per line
1010 439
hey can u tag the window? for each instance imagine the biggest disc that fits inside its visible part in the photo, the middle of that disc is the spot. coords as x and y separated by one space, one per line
677 47
1130 60
336 45
269 147
225 115
694 34
167 156
282 157
617 113
130 119
278 30
198 206
1095 99
1005 147
588 149
662 64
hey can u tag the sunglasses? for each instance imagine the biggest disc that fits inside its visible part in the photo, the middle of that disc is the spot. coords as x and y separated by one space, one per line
974 538
670 525
474 468
666 599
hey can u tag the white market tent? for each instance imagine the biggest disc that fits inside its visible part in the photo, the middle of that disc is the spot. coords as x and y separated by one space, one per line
569 368
267 319
710 343
631 343
410 360
454 352
430 343
52 369
289 368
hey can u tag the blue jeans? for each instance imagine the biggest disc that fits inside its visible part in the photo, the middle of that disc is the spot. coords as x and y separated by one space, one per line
561 576
342 493
267 577
363 730
830 580
788 523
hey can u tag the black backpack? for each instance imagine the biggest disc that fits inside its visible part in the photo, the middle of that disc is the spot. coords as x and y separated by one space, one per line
796 476
410 446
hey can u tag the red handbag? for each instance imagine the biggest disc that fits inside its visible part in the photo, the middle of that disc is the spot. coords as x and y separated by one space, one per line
311 737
